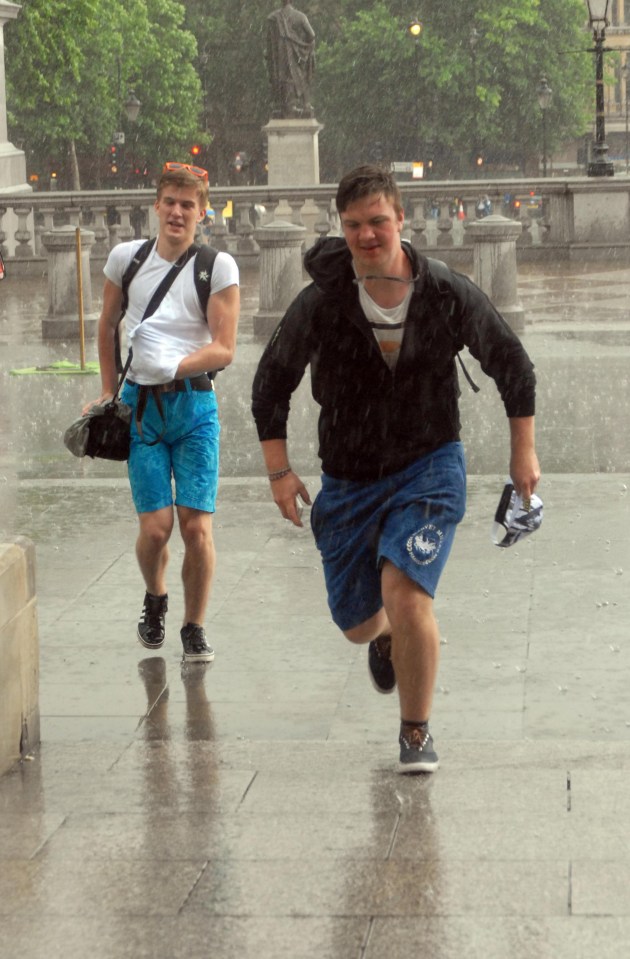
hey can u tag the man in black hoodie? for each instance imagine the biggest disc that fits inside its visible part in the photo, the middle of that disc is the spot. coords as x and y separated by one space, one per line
381 327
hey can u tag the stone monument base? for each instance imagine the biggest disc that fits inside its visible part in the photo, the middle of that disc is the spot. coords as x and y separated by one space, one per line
12 181
293 152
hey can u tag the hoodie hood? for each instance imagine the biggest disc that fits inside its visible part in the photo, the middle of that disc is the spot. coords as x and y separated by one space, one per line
329 263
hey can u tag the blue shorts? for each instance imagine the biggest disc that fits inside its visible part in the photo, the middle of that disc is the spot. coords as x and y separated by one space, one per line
408 518
188 453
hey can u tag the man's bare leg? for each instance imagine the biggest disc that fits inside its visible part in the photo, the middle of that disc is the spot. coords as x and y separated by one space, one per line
152 548
415 642
199 562
415 646
152 554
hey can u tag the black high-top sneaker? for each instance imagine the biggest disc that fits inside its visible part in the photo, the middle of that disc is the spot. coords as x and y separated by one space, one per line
151 625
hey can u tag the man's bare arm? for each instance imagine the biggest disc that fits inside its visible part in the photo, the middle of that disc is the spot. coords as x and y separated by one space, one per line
222 315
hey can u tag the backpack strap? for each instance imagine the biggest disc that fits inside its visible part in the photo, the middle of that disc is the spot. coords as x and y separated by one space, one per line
140 256
441 273
204 264
142 253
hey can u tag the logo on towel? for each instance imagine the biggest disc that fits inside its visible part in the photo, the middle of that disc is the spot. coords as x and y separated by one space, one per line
424 545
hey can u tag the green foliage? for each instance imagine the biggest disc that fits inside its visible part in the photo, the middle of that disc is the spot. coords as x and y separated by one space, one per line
375 81
70 65
230 64
198 68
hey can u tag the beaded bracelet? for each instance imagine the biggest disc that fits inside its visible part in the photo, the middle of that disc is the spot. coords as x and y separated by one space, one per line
279 474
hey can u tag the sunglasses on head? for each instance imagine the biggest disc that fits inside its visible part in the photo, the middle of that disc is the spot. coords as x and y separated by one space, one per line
171 167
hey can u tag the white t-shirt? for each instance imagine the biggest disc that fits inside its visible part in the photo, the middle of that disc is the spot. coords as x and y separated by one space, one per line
178 326
388 323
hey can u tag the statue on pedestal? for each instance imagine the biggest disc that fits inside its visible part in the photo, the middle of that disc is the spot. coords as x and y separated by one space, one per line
290 56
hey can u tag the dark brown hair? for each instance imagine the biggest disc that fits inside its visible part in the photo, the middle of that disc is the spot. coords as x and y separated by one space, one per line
364 181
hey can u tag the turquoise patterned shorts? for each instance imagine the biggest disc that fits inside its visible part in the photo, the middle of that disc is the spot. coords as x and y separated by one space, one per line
186 456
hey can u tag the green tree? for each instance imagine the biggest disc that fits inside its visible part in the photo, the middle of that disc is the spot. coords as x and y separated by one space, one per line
231 38
198 68
69 66
375 81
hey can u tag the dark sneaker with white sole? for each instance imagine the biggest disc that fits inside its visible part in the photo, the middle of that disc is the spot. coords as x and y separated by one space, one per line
196 646
380 665
151 625
417 754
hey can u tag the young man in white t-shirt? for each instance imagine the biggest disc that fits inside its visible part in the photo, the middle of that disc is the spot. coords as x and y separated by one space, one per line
173 350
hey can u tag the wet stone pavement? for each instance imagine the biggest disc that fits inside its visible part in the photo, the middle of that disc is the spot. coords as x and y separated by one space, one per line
251 808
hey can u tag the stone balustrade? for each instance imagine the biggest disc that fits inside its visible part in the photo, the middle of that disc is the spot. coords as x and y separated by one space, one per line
580 218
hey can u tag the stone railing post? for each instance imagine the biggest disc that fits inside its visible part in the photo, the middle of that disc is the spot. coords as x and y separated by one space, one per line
560 220
494 257
245 245
62 321
281 277
23 234
101 232
123 231
47 216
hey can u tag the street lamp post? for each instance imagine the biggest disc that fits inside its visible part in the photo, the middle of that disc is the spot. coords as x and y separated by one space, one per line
473 39
600 165
132 106
545 96
415 31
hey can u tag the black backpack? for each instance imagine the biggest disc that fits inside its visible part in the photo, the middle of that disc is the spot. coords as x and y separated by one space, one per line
204 264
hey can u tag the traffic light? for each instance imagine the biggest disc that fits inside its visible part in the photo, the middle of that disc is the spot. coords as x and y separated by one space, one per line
195 150
240 160
113 158
479 160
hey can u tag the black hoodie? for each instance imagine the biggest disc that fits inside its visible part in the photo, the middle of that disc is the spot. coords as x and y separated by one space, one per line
375 421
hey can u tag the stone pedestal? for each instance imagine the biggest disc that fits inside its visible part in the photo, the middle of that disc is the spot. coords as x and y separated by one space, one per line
12 160
281 277
62 321
19 652
494 256
293 152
